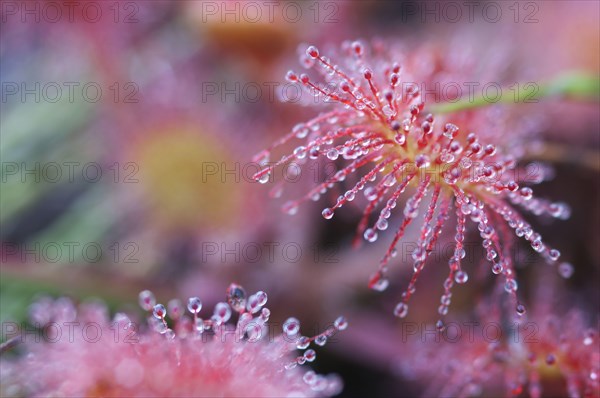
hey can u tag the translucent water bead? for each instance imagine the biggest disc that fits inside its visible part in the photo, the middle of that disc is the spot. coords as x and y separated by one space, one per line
370 235
302 343
256 302
439 325
510 286
222 313
553 254
265 313
310 355
380 285
401 310
291 327
174 309
321 340
333 154
40 312
461 277
310 377
194 305
566 270
340 323
327 213
159 311
147 300
236 297
264 178
290 208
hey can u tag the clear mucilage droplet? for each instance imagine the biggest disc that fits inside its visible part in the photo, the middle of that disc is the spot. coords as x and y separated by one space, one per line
174 309
321 340
510 286
310 377
194 305
222 313
302 343
382 224
159 311
262 298
147 300
252 304
236 297
310 355
291 327
400 138
461 277
401 310
370 235
340 323
566 270
439 325
381 285
332 154
290 208
265 314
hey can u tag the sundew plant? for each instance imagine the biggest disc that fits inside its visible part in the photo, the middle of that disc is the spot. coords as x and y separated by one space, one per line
191 356
391 142
461 167
346 199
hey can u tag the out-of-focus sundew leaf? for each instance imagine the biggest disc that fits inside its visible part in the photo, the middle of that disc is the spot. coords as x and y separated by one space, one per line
571 85
34 135
21 189
28 129
87 221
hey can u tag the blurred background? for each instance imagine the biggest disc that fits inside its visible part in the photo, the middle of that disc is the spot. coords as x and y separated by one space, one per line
128 129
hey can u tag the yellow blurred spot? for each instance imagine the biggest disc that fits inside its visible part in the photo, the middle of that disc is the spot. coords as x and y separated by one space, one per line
103 388
184 177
